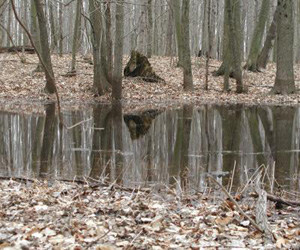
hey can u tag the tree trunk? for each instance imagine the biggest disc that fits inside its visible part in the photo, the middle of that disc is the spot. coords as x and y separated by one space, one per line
169 38
2 22
204 42
258 36
109 41
8 27
186 54
150 25
60 21
76 34
233 11
99 82
285 82
179 38
117 73
45 50
52 27
263 57
48 140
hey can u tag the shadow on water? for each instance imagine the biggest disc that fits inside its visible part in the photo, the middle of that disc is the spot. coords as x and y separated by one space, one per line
176 146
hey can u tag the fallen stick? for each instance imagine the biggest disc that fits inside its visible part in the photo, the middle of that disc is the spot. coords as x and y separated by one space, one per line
274 198
237 205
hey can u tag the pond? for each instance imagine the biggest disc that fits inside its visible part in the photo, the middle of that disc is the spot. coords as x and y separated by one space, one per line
154 147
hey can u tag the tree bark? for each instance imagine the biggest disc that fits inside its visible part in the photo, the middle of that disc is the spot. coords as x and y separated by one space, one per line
99 82
52 27
233 12
258 36
117 73
45 50
1 30
179 39
169 38
186 53
60 21
285 81
263 57
109 41
76 34
150 29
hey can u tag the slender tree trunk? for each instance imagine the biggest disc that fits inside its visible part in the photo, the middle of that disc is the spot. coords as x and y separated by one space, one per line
298 32
52 27
2 22
100 82
179 38
109 41
45 50
186 53
60 21
76 34
204 47
263 57
209 43
25 39
150 29
117 73
226 51
285 81
233 12
8 27
169 38
258 36
48 140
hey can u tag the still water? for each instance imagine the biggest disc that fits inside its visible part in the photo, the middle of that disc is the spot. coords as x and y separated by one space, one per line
153 147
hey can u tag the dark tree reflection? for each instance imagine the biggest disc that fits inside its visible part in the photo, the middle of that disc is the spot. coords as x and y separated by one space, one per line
48 140
101 146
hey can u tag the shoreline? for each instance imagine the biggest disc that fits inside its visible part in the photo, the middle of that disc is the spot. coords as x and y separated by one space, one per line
20 86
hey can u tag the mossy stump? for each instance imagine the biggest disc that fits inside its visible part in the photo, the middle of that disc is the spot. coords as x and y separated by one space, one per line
139 66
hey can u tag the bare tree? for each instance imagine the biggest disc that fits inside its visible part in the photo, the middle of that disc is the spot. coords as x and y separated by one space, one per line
117 73
285 80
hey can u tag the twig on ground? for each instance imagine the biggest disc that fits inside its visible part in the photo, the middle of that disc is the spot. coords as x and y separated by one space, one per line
237 205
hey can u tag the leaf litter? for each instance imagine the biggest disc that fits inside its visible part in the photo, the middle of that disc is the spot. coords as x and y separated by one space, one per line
69 215
20 85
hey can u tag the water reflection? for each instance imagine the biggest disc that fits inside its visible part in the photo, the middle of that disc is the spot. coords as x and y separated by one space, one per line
151 147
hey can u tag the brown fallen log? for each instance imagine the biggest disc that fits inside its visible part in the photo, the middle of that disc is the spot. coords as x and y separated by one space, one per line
14 49
279 200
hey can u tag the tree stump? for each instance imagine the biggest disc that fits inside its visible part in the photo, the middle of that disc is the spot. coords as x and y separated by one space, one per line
139 66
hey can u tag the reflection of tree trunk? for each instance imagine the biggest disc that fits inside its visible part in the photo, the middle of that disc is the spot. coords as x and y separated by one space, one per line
48 140
77 133
37 143
181 151
283 130
268 128
232 120
101 149
117 119
255 135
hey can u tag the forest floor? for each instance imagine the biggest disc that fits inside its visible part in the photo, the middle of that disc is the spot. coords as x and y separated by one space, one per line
60 215
67 215
20 85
